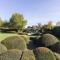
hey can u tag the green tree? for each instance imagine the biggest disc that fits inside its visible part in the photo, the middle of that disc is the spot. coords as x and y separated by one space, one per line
17 21
1 22
6 24
49 25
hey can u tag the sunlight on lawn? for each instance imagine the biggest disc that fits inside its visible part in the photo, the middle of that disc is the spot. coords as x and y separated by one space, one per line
5 35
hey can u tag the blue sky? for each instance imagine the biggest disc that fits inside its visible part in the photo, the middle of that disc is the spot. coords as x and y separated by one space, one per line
35 11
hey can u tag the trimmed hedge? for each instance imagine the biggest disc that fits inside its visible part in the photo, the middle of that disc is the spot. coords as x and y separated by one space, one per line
2 48
48 40
14 42
43 53
11 55
28 55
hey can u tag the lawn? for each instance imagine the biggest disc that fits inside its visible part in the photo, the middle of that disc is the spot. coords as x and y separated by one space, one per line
5 35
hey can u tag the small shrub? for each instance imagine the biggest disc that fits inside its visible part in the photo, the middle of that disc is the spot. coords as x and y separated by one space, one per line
43 53
2 48
14 42
11 55
28 55
48 39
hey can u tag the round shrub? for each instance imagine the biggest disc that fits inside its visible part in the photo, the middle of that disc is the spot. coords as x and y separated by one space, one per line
43 53
28 55
2 48
14 42
48 39
57 56
11 55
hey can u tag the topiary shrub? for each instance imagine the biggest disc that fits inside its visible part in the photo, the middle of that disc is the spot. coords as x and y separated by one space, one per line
57 56
28 55
48 40
2 48
11 55
43 53
14 42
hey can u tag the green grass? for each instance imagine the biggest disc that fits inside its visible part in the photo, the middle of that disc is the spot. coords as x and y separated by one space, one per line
5 35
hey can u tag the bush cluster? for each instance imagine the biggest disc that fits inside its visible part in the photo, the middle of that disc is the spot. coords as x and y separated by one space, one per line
44 47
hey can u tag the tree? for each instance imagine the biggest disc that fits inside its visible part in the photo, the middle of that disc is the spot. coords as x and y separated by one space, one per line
49 25
6 24
58 23
39 25
44 28
17 21
1 22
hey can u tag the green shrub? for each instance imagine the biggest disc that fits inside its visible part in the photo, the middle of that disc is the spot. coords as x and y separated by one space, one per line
2 48
57 56
28 55
43 53
11 55
48 39
14 42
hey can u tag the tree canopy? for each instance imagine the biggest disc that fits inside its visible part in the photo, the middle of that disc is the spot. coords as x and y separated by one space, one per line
17 21
1 22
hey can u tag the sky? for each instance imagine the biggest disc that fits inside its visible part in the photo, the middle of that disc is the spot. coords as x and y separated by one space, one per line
34 11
